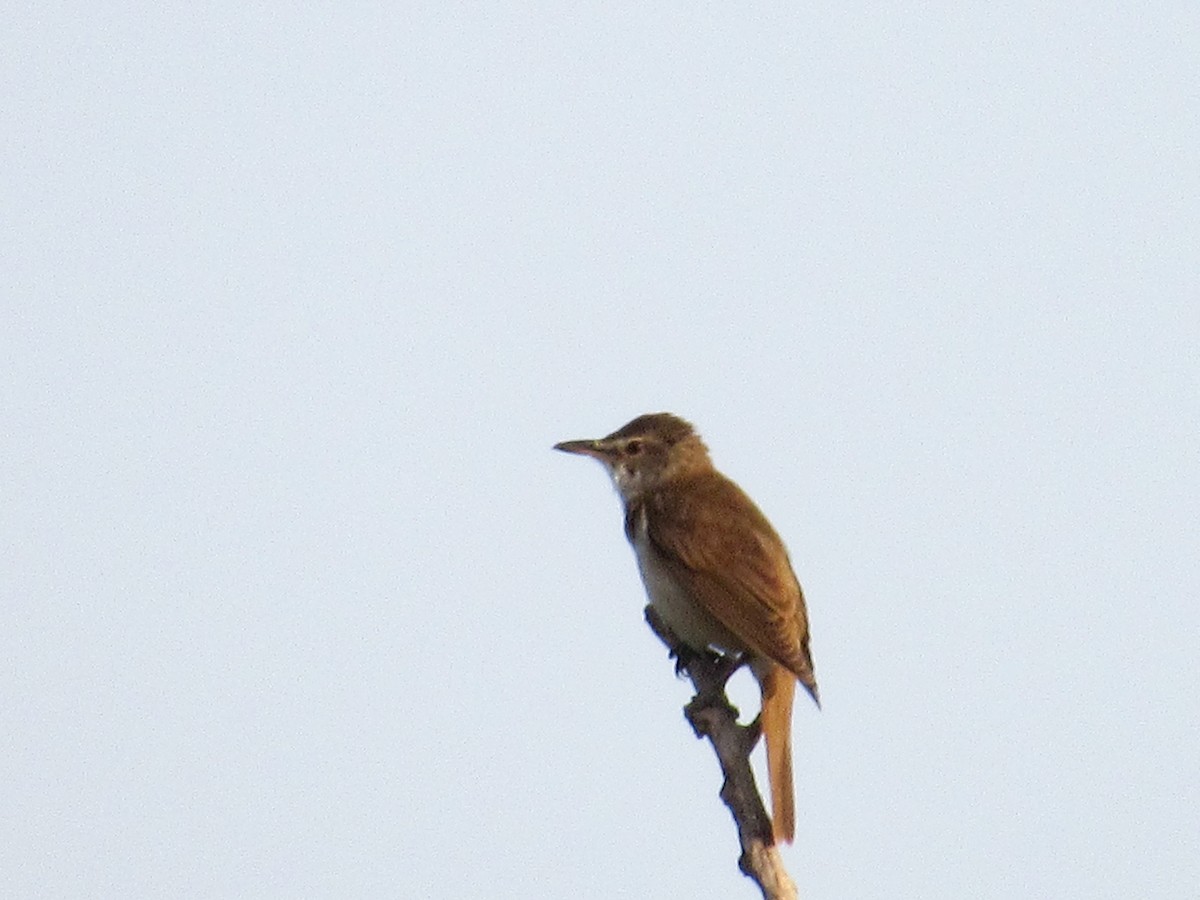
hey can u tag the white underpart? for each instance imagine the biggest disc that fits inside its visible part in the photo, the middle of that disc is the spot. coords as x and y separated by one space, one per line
626 481
691 624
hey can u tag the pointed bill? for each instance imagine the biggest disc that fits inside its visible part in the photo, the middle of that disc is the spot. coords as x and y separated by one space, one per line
583 448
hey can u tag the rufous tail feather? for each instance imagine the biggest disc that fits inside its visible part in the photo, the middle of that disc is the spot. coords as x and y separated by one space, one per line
778 691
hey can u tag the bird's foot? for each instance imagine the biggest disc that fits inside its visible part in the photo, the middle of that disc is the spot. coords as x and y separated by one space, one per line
685 657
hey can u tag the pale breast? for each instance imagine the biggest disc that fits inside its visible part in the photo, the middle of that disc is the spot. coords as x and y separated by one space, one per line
692 624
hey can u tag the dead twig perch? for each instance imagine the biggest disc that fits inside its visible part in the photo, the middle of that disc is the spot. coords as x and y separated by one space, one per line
712 716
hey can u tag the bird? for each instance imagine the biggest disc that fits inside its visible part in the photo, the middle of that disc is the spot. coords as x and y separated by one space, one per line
716 572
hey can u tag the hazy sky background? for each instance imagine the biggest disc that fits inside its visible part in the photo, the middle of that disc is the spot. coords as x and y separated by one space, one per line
296 600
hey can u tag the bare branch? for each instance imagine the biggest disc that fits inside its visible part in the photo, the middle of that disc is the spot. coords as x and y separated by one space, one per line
712 716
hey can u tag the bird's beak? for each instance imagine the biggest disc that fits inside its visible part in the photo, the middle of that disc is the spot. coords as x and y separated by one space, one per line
594 449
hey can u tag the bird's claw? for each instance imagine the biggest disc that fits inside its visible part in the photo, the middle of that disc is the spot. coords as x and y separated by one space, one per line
682 656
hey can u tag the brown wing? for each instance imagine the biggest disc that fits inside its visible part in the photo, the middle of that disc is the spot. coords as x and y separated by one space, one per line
717 542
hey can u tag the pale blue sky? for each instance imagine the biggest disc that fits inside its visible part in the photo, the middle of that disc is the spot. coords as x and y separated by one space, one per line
298 602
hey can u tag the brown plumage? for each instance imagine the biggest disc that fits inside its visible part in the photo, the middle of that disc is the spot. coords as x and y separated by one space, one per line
715 570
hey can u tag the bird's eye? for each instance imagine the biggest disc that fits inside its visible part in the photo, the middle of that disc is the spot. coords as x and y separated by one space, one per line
634 447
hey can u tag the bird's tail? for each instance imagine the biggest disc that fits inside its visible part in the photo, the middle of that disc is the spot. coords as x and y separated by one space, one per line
778 691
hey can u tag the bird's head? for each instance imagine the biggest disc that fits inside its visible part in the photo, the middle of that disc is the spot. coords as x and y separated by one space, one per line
642 455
